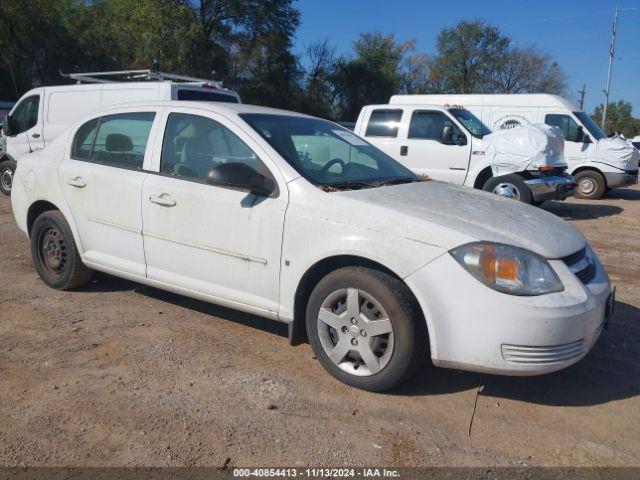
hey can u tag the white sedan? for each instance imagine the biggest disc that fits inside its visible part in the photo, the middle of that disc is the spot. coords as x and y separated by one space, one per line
296 219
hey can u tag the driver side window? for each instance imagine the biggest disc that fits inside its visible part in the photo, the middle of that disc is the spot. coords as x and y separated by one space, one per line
193 145
565 123
25 116
427 125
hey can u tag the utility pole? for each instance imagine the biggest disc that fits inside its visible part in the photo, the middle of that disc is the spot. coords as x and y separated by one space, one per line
582 94
611 53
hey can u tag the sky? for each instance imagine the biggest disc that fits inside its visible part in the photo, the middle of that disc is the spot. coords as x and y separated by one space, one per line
575 34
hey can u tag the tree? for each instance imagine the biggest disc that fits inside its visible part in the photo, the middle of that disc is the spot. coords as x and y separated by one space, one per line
619 119
372 76
416 75
318 93
474 57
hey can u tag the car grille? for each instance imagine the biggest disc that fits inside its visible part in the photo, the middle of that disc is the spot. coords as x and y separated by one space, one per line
542 355
581 264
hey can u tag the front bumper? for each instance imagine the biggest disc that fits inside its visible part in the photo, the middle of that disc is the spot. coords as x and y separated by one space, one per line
557 186
622 179
506 334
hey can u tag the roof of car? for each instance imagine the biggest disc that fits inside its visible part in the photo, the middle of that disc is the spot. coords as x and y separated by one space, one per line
220 107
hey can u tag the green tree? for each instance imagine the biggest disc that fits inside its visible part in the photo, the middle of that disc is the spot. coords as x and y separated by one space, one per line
372 76
619 119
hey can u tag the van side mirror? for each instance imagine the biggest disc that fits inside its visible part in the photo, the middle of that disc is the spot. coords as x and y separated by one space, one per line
580 134
242 176
6 126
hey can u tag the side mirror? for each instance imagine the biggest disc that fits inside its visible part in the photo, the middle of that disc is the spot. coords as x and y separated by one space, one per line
241 176
451 136
580 134
6 126
445 136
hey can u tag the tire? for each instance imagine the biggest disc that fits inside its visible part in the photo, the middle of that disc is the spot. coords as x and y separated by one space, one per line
394 346
54 253
7 170
509 186
591 185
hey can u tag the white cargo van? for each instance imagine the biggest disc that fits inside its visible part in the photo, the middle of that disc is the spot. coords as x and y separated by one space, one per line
452 145
598 163
43 113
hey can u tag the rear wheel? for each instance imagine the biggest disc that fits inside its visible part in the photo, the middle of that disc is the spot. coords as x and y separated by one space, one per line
54 253
7 169
590 185
509 186
365 328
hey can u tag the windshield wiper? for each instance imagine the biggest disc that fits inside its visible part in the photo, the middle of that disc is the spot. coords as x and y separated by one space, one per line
346 185
396 181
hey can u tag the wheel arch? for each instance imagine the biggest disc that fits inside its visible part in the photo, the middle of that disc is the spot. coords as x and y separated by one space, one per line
591 168
485 174
36 209
315 273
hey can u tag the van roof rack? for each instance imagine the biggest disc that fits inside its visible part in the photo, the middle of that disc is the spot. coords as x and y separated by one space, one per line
137 75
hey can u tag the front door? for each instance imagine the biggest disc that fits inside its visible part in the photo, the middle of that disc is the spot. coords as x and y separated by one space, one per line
217 241
101 179
428 152
575 149
26 127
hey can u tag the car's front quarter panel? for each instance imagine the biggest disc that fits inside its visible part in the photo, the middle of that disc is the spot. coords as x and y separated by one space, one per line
321 225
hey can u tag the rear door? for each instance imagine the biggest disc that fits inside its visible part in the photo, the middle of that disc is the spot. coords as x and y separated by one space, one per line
381 127
101 179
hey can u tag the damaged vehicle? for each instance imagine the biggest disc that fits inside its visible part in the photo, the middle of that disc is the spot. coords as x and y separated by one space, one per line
298 220
597 163
450 144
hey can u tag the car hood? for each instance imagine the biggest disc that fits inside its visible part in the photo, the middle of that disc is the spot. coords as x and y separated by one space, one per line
444 214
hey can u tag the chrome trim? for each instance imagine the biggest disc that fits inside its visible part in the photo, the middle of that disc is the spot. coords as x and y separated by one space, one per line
552 187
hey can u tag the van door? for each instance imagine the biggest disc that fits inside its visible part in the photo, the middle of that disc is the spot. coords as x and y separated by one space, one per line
435 145
25 122
575 149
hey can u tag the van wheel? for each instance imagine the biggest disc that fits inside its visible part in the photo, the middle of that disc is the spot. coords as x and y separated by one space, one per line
7 169
54 253
365 328
590 185
509 186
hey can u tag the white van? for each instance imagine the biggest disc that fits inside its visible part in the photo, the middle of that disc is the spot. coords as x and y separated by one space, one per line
43 113
598 163
451 144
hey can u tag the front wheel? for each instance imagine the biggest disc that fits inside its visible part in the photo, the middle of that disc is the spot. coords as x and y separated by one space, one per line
509 186
7 169
590 185
365 328
54 253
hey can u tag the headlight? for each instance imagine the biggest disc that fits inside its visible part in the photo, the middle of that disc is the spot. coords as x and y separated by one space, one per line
508 269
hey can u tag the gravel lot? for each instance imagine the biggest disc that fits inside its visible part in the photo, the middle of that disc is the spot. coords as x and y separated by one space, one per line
125 375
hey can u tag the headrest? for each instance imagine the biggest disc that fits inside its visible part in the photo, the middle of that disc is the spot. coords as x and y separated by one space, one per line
117 142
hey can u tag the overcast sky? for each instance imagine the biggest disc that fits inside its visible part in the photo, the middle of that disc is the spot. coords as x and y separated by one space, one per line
576 34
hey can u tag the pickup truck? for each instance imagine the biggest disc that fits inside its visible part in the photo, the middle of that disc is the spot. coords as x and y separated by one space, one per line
451 144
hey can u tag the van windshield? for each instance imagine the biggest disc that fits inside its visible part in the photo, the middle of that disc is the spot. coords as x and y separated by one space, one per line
326 154
470 122
595 131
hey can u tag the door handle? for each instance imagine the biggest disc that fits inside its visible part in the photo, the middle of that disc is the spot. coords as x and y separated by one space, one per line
35 135
404 150
164 199
77 182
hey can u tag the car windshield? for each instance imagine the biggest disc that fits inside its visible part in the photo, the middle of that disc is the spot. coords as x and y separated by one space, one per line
590 125
470 122
326 154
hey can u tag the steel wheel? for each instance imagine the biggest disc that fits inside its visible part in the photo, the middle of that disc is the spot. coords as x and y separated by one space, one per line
508 190
52 251
6 179
355 331
587 186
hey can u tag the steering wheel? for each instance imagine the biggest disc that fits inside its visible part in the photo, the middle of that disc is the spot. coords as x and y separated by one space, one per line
331 163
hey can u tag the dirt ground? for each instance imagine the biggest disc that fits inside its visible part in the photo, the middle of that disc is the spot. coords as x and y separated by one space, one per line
118 374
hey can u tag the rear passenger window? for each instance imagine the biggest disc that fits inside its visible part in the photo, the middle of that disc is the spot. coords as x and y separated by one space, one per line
384 123
122 139
193 145
83 140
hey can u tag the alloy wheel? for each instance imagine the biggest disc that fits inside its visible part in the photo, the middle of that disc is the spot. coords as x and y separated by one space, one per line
6 180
